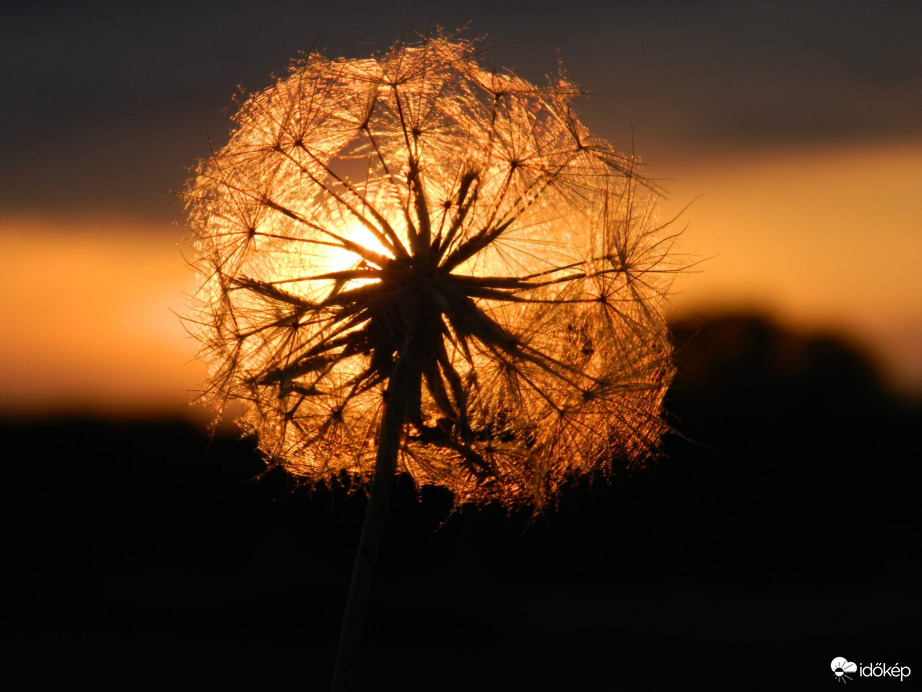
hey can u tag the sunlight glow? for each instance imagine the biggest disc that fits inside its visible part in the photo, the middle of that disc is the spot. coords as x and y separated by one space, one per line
417 234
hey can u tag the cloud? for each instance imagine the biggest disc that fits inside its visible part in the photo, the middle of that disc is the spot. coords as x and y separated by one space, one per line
845 665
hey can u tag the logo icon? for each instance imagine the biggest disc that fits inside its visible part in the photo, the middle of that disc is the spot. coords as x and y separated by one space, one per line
841 666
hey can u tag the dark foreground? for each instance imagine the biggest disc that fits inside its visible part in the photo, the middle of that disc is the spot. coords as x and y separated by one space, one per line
777 538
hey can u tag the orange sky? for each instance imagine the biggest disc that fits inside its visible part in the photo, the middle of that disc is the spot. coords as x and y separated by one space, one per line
87 317
821 237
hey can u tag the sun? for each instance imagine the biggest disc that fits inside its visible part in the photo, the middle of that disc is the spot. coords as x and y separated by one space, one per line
349 256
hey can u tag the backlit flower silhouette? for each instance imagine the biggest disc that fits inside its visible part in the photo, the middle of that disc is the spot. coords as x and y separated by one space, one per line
416 262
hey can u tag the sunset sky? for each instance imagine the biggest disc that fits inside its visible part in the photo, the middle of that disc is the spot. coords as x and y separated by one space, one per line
793 130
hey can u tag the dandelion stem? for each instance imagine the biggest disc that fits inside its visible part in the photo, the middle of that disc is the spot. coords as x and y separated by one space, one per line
370 540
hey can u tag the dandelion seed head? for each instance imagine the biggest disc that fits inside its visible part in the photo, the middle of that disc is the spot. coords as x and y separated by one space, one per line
416 212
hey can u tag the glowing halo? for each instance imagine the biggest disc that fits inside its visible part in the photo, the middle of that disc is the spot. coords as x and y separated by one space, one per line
417 216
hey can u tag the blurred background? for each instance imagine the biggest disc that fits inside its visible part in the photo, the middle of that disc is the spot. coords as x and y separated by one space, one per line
773 535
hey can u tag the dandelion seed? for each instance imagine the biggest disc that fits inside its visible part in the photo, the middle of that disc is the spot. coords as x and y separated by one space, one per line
417 214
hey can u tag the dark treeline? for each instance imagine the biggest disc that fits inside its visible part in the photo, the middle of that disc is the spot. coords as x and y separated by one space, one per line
771 536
